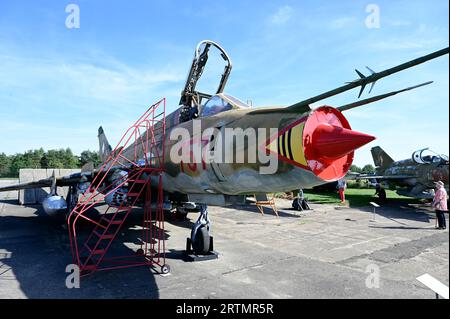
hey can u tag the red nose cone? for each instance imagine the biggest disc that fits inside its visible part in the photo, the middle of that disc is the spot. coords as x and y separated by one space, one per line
332 142
329 143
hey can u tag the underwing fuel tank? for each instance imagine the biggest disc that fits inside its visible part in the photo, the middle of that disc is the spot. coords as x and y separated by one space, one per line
54 204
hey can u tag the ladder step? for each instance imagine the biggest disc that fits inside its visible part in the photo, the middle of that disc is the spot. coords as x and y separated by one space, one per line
103 236
133 194
119 208
94 252
89 267
100 225
138 181
114 222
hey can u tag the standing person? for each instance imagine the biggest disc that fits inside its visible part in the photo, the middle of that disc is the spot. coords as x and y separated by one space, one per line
300 202
440 204
303 202
342 185
380 192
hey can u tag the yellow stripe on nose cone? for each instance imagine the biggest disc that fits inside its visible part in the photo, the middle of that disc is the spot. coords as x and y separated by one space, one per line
297 144
289 145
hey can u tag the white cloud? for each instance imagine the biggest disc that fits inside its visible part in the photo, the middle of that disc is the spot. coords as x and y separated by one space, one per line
62 101
283 15
113 82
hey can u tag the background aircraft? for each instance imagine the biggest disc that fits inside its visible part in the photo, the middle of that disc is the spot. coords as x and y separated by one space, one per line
413 176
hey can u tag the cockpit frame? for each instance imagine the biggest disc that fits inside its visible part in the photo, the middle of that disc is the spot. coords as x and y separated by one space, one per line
427 156
190 98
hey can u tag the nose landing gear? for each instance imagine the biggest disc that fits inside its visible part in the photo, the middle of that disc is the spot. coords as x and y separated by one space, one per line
200 246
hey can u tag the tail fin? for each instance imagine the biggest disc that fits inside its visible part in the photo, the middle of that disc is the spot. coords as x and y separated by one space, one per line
105 148
380 158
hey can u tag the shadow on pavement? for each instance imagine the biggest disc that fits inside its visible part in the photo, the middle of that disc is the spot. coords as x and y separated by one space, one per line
35 250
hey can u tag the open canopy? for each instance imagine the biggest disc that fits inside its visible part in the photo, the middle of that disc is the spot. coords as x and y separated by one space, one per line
427 156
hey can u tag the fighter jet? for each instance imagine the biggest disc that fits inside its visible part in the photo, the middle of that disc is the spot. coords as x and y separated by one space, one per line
413 177
281 148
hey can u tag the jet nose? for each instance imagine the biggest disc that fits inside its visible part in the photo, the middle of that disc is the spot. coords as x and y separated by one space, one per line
321 142
331 142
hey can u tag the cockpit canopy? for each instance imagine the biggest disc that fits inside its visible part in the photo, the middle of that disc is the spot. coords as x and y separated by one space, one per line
220 103
427 156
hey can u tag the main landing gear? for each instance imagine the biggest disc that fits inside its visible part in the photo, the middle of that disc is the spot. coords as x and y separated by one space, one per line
200 246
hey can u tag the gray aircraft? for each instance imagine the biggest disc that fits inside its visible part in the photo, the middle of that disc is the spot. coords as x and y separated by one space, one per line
413 177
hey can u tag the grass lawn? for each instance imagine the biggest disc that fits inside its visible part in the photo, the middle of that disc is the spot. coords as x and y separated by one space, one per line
355 197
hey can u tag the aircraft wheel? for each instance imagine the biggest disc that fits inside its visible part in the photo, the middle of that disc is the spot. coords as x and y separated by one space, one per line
140 252
165 269
201 241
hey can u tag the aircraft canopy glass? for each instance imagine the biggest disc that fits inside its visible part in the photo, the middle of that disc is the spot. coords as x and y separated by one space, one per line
427 156
221 103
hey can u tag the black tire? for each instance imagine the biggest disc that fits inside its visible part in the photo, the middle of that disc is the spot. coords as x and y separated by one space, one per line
165 269
295 204
201 241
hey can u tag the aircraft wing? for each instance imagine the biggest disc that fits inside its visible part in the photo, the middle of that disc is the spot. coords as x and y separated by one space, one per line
361 82
369 176
47 182
267 110
303 107
68 180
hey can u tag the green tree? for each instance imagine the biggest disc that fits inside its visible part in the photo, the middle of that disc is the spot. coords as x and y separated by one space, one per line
5 165
52 159
89 156
32 158
68 159
368 169
355 169
62 158
18 161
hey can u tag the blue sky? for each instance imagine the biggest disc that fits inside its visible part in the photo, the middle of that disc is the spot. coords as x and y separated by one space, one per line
57 85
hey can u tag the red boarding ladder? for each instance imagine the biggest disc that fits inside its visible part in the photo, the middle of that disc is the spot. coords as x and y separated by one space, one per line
135 166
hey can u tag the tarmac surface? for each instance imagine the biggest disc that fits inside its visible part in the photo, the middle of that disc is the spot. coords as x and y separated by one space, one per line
328 252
